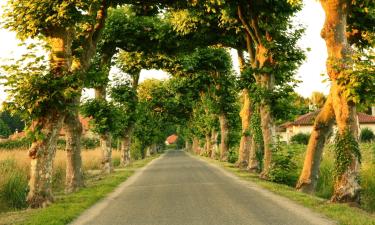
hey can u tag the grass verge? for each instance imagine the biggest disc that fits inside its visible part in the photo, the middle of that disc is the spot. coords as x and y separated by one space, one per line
68 207
342 213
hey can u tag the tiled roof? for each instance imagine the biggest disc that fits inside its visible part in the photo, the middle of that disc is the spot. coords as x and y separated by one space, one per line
309 118
172 139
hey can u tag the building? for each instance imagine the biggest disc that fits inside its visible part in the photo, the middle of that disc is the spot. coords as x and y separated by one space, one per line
305 123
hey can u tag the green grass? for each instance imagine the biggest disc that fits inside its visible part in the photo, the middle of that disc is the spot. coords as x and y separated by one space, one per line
342 213
68 207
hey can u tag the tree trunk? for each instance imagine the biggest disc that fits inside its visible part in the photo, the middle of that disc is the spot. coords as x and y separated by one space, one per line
224 143
73 132
125 147
346 185
322 128
214 147
245 142
42 153
208 145
267 125
196 146
105 146
188 146
253 165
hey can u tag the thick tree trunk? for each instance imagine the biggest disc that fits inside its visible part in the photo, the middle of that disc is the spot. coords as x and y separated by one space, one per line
346 186
253 165
322 128
267 124
125 147
214 147
188 146
195 146
243 154
207 145
224 143
42 153
73 132
105 146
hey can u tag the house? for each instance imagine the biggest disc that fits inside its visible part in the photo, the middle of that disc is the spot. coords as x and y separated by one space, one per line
305 123
171 139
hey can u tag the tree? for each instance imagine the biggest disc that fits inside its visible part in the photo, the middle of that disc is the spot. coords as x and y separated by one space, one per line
71 31
351 79
4 129
317 99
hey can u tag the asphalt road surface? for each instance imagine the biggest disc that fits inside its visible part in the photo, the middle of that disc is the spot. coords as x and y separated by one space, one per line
178 189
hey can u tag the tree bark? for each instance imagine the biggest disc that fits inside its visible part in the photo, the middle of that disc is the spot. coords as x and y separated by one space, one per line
42 153
208 145
73 132
224 142
195 146
214 147
125 147
346 185
253 165
188 146
243 152
322 128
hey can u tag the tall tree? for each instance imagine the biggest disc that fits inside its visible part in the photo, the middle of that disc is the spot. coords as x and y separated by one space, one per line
347 25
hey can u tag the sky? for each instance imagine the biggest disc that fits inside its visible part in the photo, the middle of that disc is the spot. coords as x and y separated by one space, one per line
310 73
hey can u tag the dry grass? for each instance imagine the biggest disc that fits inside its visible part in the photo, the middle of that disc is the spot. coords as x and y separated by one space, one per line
15 169
90 158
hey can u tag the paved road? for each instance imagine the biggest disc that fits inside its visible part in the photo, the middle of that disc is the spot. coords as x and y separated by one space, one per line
178 189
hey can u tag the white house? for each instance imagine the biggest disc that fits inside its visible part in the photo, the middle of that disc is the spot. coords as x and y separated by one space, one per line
304 124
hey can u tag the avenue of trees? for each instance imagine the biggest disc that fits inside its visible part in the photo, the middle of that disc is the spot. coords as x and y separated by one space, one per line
105 44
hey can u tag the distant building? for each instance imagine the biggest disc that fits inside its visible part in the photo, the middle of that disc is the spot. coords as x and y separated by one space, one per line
305 123
171 139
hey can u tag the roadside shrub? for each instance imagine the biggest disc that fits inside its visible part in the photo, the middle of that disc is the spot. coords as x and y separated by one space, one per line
136 151
283 169
233 155
90 143
15 144
324 187
300 138
366 135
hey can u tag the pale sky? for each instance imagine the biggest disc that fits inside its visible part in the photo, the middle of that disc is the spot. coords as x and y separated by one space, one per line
311 16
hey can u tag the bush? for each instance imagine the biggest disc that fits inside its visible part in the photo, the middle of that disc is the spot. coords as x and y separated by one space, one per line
233 155
15 144
136 150
300 138
366 135
283 169
90 143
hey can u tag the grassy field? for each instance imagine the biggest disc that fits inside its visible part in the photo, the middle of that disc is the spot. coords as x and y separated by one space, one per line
68 206
343 213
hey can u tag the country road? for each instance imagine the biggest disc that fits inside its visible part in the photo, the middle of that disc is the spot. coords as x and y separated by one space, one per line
178 189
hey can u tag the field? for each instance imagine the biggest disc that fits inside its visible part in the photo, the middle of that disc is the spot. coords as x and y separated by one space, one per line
14 170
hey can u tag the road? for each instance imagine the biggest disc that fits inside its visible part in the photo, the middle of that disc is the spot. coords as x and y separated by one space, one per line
178 189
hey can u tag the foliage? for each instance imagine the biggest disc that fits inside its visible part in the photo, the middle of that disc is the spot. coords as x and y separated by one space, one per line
367 135
233 155
4 129
346 150
300 138
283 169
15 144
13 121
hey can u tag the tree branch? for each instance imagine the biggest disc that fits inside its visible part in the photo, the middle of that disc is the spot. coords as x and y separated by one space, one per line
246 25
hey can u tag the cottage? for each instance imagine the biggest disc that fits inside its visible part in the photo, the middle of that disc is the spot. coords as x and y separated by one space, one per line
304 124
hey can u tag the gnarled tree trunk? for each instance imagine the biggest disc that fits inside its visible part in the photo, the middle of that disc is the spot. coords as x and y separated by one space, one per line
224 143
243 154
207 145
322 128
195 146
214 147
125 147
253 165
42 152
73 132
188 146
346 185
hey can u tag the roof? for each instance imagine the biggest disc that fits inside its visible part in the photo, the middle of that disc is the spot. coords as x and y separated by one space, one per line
172 139
309 119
